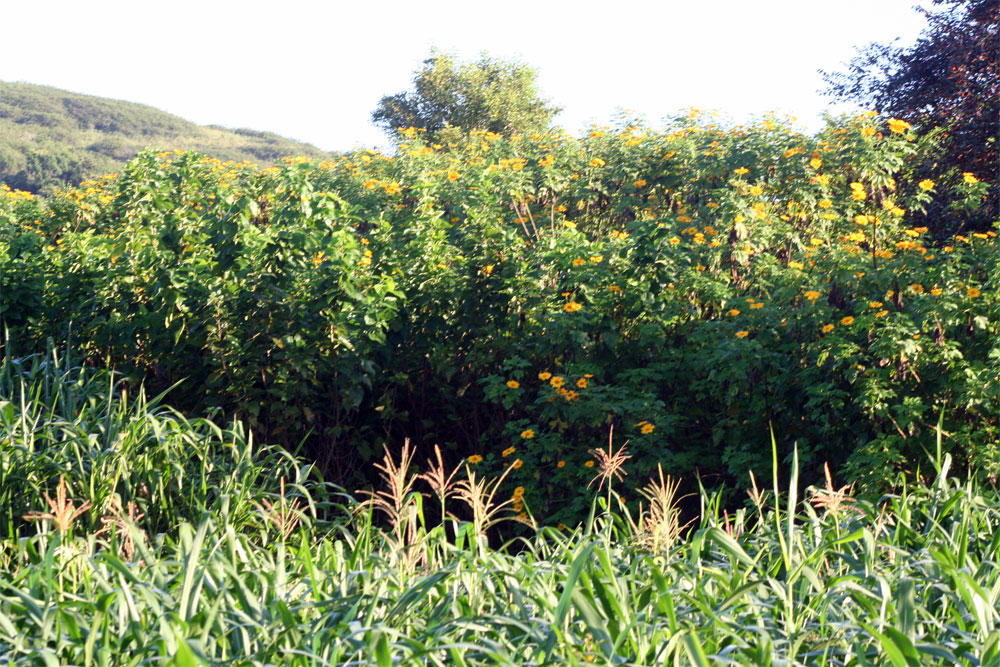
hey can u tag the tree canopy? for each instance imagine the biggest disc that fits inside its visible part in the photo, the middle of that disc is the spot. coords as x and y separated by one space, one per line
448 97
949 78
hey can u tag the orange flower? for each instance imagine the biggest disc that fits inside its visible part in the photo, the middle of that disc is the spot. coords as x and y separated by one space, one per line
561 464
973 292
827 328
513 384
898 126
742 334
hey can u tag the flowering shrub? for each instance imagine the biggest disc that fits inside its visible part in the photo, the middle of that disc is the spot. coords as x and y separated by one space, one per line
513 298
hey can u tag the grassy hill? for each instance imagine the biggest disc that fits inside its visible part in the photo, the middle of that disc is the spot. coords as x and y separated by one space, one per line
51 137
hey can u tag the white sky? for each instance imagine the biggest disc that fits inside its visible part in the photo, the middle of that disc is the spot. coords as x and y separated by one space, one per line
314 71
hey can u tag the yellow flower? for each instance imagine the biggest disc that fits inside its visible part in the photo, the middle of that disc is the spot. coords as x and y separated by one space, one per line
557 381
507 452
867 131
827 328
646 428
527 434
519 492
674 240
561 464
453 175
569 225
926 184
589 464
756 190
812 295
579 261
734 312
847 321
513 384
815 241
969 178
547 160
825 203
936 291
756 306
517 464
815 163
640 183
597 259
898 126
742 334
544 375
475 458
582 383
973 292
741 171
597 162
882 313
795 265
875 304
572 307
917 288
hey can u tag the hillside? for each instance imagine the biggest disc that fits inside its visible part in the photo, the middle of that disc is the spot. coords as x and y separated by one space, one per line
51 137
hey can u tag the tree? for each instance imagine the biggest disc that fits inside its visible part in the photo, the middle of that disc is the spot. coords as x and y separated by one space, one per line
449 98
950 78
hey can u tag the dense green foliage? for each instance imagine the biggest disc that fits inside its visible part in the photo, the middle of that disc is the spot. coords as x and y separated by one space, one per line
949 79
513 298
51 138
449 99
132 535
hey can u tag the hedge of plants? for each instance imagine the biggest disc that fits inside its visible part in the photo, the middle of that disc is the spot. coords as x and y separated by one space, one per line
519 300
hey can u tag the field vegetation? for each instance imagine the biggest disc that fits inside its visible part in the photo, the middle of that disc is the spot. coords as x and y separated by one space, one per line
705 394
131 535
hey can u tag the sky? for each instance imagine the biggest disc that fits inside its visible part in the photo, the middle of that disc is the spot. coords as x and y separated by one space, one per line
315 71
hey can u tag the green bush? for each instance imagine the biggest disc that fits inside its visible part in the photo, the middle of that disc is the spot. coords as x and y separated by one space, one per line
513 298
